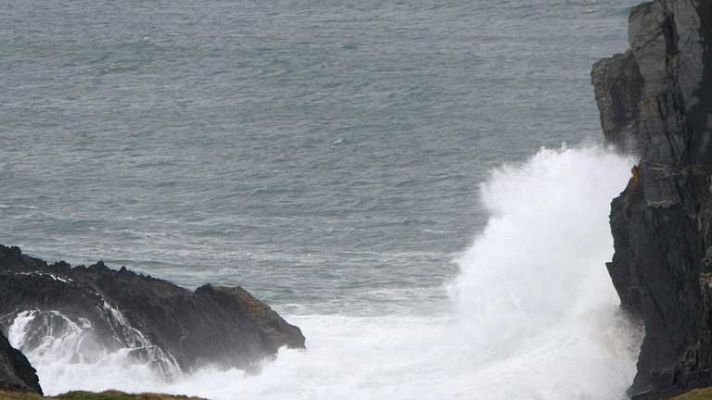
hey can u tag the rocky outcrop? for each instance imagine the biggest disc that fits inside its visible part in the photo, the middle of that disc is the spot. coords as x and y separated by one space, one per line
656 101
106 395
16 373
169 327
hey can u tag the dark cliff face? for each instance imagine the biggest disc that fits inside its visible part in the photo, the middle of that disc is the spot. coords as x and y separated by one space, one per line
16 373
656 101
170 327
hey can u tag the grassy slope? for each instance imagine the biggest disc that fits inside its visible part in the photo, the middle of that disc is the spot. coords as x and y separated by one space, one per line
110 395
699 394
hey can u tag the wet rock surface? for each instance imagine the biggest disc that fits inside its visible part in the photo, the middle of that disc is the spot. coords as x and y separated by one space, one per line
16 373
655 101
171 328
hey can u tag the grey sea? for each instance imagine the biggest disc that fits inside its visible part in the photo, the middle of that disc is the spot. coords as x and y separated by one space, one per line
328 156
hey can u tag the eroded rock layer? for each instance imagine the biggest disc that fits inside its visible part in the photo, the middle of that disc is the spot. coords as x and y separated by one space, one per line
656 101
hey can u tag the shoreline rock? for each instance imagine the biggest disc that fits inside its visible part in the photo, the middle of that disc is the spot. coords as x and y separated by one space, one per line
107 395
655 101
16 373
171 328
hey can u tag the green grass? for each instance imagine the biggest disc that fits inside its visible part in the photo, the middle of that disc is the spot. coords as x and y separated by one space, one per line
698 394
109 395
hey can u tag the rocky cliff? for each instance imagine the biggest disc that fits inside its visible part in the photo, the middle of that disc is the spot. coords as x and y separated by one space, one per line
655 101
103 310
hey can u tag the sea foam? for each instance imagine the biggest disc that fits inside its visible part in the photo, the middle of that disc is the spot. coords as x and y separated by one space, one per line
534 314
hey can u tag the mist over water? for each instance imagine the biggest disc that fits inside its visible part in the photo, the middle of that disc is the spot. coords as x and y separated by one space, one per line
534 301
532 314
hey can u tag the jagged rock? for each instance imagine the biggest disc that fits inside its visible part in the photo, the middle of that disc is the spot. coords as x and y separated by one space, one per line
170 327
618 86
16 373
656 101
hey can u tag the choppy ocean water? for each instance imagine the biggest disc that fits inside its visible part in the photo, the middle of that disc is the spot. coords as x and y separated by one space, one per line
326 155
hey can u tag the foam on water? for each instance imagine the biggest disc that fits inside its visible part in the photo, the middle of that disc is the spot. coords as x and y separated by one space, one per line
68 354
534 315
